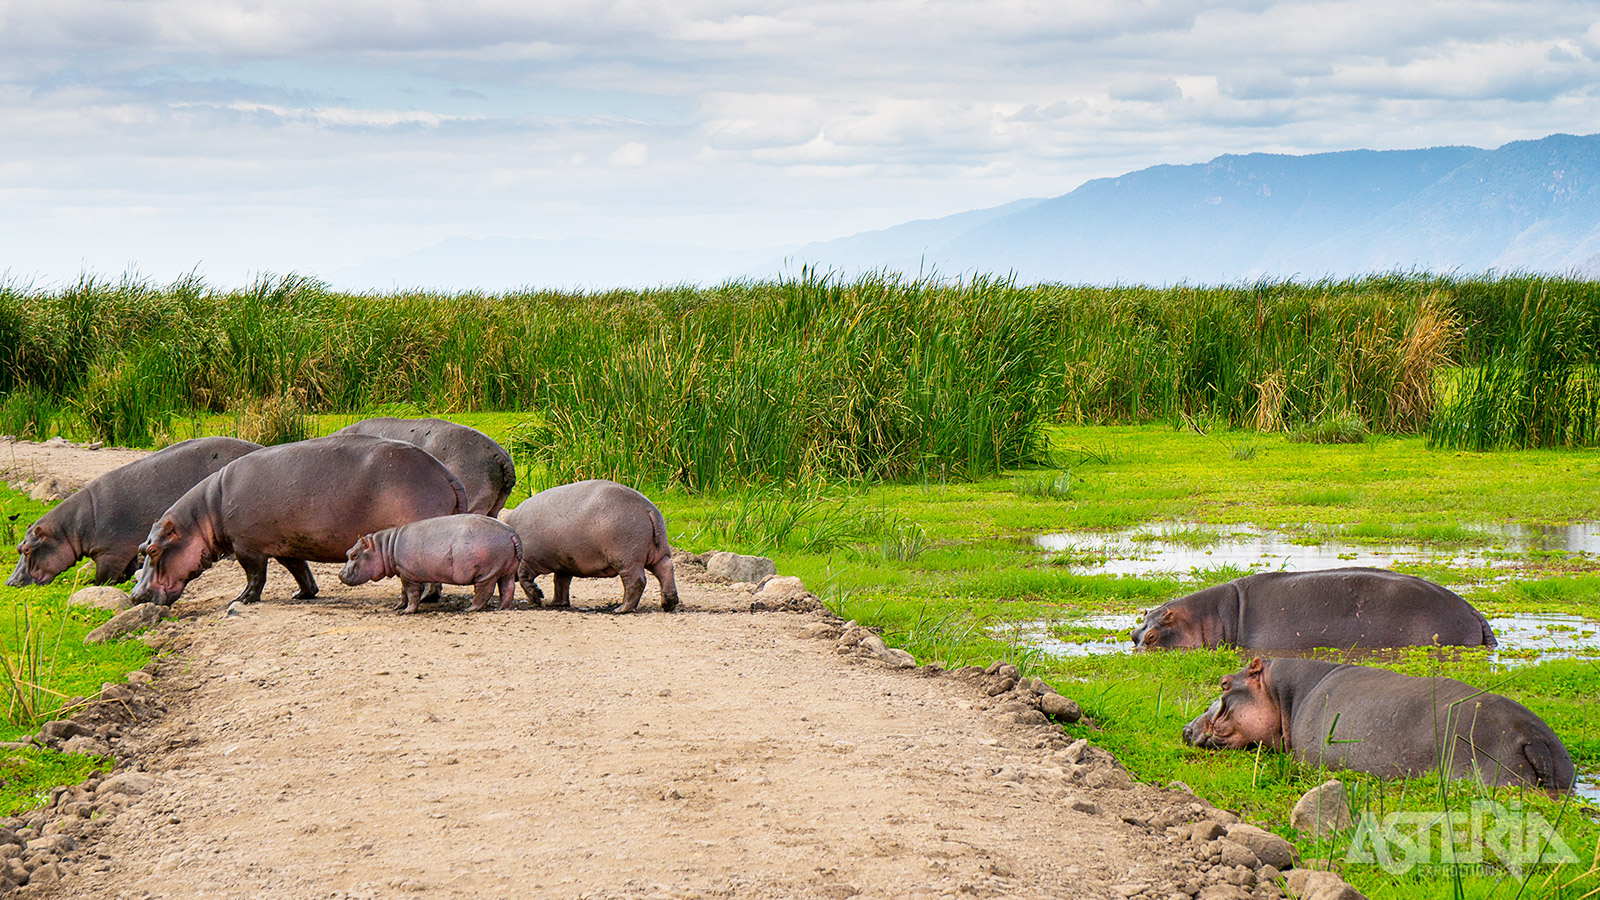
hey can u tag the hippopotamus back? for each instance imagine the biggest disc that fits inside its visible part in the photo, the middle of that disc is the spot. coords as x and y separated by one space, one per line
108 518
484 467
1346 607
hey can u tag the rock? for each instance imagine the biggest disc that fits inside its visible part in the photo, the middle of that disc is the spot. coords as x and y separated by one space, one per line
891 655
61 730
50 488
1271 849
1268 873
1315 885
1224 892
1074 752
781 587
1004 670
96 445
142 616
85 744
1084 806
140 677
1176 785
236 608
1205 831
102 597
1058 707
1236 854
132 783
821 630
1322 810
737 567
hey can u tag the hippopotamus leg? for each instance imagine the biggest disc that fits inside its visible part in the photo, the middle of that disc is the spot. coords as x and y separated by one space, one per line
112 567
255 574
632 588
432 592
563 592
302 577
525 580
669 584
481 592
410 596
508 590
129 570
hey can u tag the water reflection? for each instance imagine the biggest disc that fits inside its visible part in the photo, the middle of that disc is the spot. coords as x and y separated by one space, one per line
1524 638
1181 546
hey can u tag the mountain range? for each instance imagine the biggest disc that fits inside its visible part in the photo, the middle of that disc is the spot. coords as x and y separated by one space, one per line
1526 206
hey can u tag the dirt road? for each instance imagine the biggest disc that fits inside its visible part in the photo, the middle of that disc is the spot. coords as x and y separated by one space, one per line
331 748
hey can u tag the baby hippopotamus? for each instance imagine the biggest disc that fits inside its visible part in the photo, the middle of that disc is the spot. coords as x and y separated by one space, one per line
1347 607
1384 723
461 549
594 529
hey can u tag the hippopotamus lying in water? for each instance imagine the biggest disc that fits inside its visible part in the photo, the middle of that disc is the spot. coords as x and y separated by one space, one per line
1351 607
1382 722
294 502
484 467
108 518
593 529
461 549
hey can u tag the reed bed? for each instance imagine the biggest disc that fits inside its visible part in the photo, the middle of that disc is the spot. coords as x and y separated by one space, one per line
775 382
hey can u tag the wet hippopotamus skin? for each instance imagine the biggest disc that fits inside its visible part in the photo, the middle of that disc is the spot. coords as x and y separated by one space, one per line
306 501
593 529
484 467
460 549
1384 723
108 519
1349 607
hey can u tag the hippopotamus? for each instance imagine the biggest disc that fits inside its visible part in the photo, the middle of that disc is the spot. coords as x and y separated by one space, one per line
460 549
483 466
108 518
1384 723
1350 607
593 529
308 500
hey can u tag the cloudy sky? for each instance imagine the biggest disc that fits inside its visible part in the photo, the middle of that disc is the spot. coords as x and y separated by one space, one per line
245 135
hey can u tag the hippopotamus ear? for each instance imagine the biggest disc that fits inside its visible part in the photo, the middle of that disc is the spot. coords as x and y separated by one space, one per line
1166 617
1255 670
366 542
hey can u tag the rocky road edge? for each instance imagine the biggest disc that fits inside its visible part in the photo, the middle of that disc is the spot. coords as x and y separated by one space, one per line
1214 856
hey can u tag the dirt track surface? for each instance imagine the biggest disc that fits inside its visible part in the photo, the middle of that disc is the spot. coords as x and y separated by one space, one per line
331 748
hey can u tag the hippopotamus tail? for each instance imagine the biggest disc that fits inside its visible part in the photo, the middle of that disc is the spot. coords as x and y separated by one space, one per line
516 545
460 489
508 469
1552 764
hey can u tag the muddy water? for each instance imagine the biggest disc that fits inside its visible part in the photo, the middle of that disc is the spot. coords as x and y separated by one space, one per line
1182 546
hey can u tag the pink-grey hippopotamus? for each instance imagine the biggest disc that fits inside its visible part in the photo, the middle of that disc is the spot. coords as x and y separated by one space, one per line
484 467
108 519
593 529
308 500
1349 607
460 549
1384 723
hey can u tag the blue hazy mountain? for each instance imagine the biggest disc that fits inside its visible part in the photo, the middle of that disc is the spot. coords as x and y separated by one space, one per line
1529 205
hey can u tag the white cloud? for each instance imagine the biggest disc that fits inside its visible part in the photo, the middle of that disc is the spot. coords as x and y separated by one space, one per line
633 153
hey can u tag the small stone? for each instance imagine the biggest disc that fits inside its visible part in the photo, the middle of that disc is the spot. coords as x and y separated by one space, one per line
739 568
1322 810
1176 785
141 616
1074 752
820 630
1268 873
1271 849
1224 892
1237 854
1059 707
1320 885
102 597
132 783
61 730
780 588
1205 831
86 744
140 677
1088 807
96 445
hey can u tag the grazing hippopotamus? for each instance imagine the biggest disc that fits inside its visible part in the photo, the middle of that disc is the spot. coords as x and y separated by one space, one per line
108 518
484 467
1350 607
461 549
308 500
593 529
1384 723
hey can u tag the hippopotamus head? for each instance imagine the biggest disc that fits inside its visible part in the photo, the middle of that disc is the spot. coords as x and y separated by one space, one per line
43 555
1246 714
364 563
173 556
1169 625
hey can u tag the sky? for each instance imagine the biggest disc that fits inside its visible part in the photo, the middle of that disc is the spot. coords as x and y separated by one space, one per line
234 137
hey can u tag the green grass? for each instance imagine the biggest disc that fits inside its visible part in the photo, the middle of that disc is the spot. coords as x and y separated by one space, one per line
44 663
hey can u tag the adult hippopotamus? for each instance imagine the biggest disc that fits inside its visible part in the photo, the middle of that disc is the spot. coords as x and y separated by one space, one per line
484 467
1351 607
108 518
1384 723
294 502
593 529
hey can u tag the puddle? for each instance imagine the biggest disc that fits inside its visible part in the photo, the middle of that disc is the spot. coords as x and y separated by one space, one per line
1524 639
1181 546
1588 790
